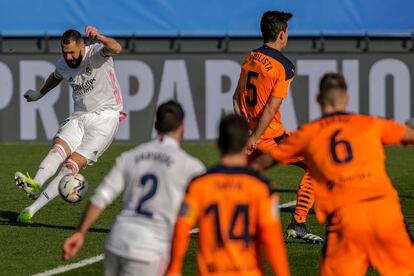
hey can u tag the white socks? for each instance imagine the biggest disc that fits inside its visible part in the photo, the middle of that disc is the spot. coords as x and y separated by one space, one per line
51 191
50 164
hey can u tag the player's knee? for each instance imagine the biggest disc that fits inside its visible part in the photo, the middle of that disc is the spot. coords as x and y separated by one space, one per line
71 166
59 149
63 145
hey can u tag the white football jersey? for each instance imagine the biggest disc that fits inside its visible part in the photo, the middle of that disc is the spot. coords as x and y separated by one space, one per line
153 177
94 82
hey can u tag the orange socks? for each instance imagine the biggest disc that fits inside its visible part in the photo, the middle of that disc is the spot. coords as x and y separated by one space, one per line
304 198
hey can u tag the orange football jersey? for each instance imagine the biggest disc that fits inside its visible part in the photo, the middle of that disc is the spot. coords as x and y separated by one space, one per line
345 154
265 73
230 206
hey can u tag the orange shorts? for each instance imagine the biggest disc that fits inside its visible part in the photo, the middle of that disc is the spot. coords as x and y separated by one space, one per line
266 145
368 232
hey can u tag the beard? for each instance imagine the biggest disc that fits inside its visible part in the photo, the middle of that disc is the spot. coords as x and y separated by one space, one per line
74 63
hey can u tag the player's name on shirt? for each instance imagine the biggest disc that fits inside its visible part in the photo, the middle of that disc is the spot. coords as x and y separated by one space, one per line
161 157
229 185
256 56
329 120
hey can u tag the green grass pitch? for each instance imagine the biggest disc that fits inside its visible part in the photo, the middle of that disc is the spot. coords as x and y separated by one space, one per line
33 249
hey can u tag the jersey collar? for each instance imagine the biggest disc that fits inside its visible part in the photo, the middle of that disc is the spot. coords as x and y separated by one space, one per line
167 140
335 113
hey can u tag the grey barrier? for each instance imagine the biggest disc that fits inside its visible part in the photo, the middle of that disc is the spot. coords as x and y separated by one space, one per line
204 81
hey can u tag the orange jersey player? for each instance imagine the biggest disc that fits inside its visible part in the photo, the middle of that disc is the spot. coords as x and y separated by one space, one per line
264 82
344 152
235 211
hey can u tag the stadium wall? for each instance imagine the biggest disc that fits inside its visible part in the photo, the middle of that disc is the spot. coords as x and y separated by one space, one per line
202 75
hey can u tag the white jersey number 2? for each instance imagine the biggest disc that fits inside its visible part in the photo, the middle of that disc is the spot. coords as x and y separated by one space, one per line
147 179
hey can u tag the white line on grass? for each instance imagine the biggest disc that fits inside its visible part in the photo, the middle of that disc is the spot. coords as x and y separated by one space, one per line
64 268
287 204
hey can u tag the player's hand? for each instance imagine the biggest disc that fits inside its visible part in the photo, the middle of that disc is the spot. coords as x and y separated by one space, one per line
92 32
72 245
251 145
32 95
262 162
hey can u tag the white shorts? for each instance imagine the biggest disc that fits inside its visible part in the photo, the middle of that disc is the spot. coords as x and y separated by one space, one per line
90 133
119 266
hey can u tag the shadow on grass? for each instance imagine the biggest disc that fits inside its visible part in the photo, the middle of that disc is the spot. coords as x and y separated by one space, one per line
9 218
281 190
406 196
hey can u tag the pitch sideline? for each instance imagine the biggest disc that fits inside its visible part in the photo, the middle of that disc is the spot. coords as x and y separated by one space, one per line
65 268
92 260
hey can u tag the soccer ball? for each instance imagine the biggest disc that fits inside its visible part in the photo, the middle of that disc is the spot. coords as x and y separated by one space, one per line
73 188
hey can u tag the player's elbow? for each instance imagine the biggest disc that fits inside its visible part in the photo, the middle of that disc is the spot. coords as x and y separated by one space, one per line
272 106
408 136
118 49
271 109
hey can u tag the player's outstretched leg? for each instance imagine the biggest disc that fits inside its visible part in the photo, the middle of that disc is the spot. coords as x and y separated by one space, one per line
297 228
27 184
48 167
51 191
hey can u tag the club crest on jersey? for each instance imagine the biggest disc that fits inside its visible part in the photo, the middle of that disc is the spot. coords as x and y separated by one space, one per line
88 70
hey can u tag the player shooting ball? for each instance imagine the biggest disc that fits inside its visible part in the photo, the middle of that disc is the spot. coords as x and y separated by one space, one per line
90 130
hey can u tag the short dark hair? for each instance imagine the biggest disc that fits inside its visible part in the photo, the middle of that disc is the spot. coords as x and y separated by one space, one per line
169 117
233 134
331 86
69 36
272 23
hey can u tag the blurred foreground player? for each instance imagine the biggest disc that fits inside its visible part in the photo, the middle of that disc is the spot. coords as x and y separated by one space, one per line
345 154
153 177
264 82
236 212
89 131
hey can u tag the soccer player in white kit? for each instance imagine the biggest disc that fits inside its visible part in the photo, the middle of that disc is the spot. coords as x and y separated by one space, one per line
89 131
154 178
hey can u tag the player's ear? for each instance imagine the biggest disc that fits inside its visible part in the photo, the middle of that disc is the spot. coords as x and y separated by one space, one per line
346 99
318 98
181 129
281 35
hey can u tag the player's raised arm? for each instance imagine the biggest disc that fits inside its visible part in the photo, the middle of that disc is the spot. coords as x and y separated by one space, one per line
111 46
34 95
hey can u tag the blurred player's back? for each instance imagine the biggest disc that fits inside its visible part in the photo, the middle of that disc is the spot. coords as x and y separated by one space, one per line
235 210
231 204
350 166
344 153
155 176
